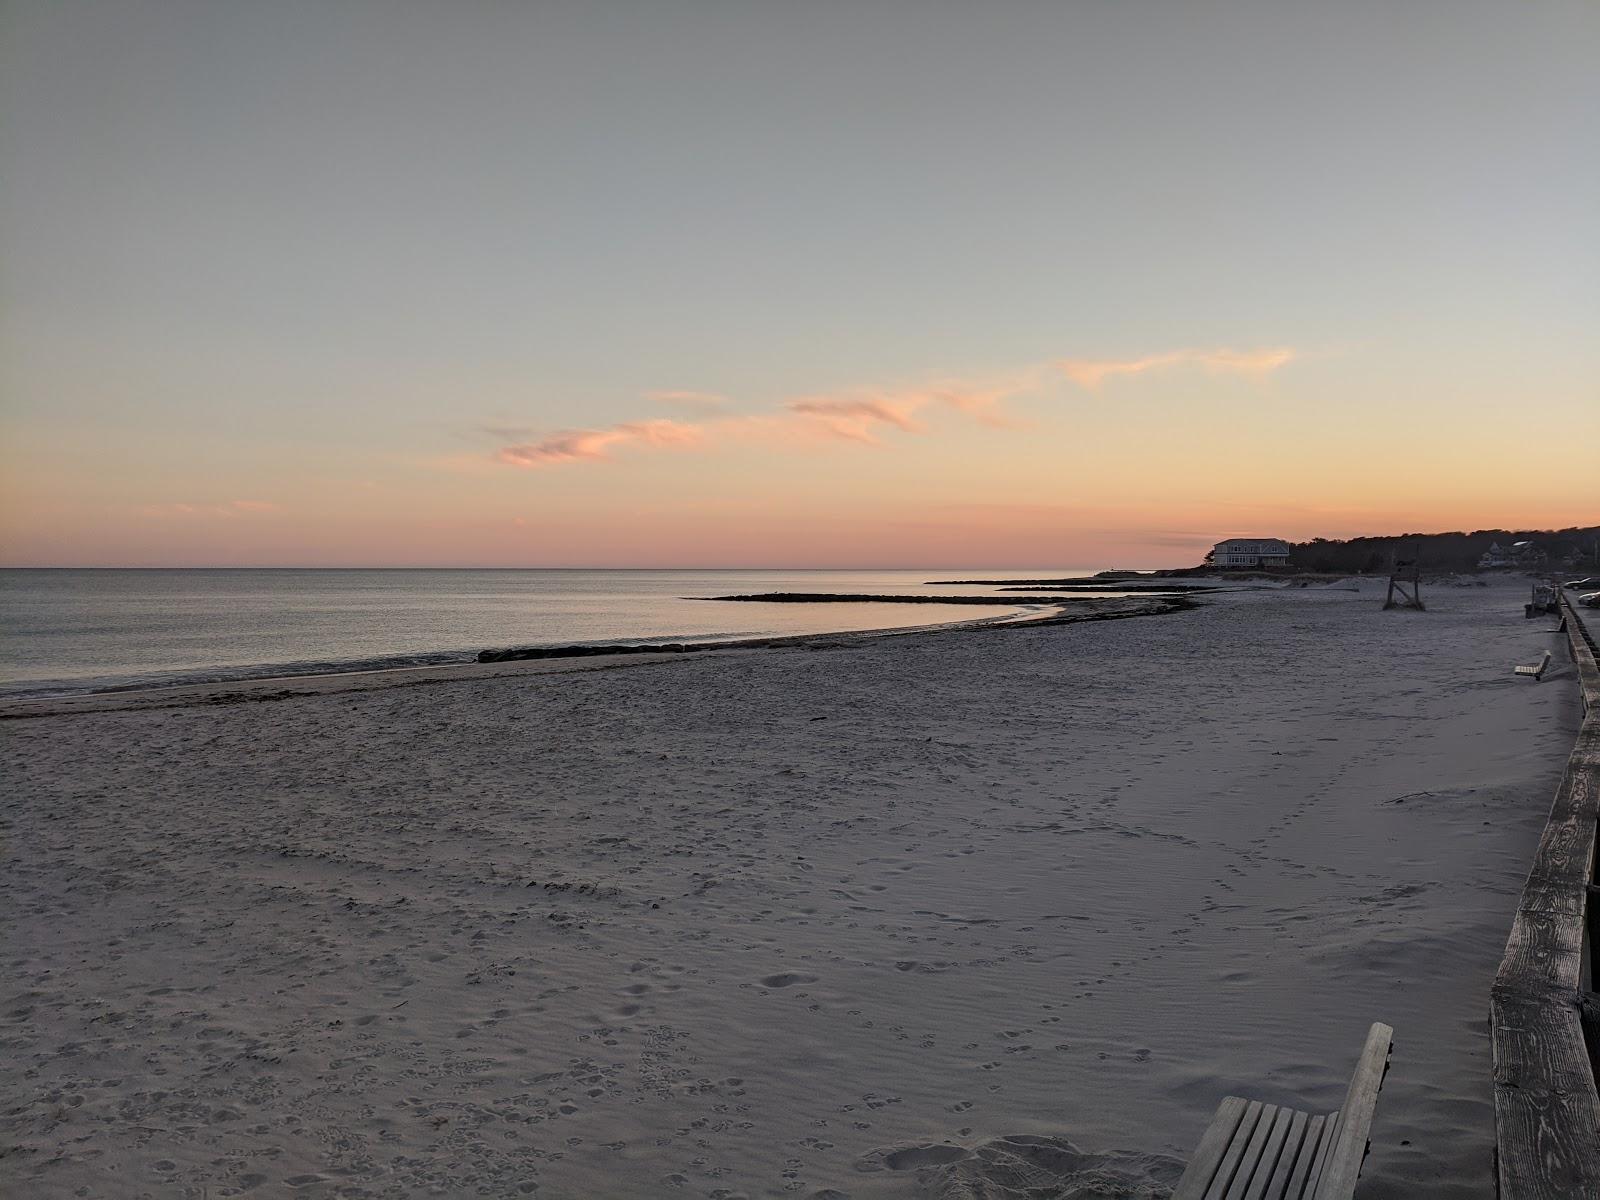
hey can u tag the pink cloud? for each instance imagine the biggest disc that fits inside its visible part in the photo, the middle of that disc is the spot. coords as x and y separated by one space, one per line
587 445
861 416
1091 373
856 416
982 401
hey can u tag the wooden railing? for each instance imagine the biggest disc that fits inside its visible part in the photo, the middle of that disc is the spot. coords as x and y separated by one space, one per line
1542 1007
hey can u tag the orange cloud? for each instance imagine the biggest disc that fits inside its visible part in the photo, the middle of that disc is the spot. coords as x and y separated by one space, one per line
1091 373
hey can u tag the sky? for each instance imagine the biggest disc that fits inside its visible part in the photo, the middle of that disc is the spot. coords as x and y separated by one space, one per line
674 283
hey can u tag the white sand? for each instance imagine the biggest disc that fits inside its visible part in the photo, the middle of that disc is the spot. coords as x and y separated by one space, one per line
906 916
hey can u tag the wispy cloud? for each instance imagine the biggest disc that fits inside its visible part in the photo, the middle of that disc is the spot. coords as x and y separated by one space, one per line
855 418
1091 373
864 416
580 445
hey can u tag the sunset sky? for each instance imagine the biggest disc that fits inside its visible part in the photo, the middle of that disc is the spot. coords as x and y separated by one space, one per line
677 283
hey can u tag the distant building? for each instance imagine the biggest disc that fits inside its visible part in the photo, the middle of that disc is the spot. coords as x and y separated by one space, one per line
1517 554
1250 552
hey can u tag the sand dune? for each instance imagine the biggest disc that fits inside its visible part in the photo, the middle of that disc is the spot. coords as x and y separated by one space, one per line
983 913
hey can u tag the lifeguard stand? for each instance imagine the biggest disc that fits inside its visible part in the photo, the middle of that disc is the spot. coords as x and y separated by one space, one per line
1405 578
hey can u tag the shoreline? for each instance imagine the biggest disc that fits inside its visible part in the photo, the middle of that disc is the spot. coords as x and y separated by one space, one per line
862 598
534 660
139 629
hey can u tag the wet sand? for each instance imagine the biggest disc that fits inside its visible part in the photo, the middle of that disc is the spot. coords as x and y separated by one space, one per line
956 913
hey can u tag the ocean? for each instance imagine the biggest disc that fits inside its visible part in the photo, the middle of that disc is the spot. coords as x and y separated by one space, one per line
72 630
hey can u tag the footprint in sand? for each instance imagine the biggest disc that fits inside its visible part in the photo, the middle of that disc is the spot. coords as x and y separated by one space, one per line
911 1157
786 979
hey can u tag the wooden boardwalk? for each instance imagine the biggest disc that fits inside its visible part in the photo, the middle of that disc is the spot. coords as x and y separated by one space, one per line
1544 1015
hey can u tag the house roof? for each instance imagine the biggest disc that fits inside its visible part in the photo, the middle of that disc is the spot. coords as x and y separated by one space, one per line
1257 541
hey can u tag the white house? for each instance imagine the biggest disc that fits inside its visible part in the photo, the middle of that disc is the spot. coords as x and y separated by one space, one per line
1518 554
1250 552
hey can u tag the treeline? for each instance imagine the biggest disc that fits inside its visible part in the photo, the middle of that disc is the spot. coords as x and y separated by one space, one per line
1443 551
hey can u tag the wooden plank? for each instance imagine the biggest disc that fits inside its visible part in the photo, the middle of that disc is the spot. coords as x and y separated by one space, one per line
1272 1150
1547 1113
1343 1167
1208 1154
1300 1178
1277 1184
1234 1155
1254 1152
1544 949
1330 1135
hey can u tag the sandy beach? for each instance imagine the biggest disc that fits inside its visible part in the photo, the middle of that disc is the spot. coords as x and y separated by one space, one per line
991 912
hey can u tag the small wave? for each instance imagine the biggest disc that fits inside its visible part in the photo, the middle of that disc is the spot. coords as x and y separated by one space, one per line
98 685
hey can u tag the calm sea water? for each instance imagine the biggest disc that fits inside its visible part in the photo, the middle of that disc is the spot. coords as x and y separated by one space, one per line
81 630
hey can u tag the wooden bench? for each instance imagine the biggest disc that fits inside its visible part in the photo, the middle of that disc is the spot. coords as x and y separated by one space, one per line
1256 1151
1537 669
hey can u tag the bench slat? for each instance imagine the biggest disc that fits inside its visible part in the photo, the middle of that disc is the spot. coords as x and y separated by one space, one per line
1330 1134
1272 1149
1208 1154
1254 1149
1235 1153
1277 1186
1338 1179
1299 1182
